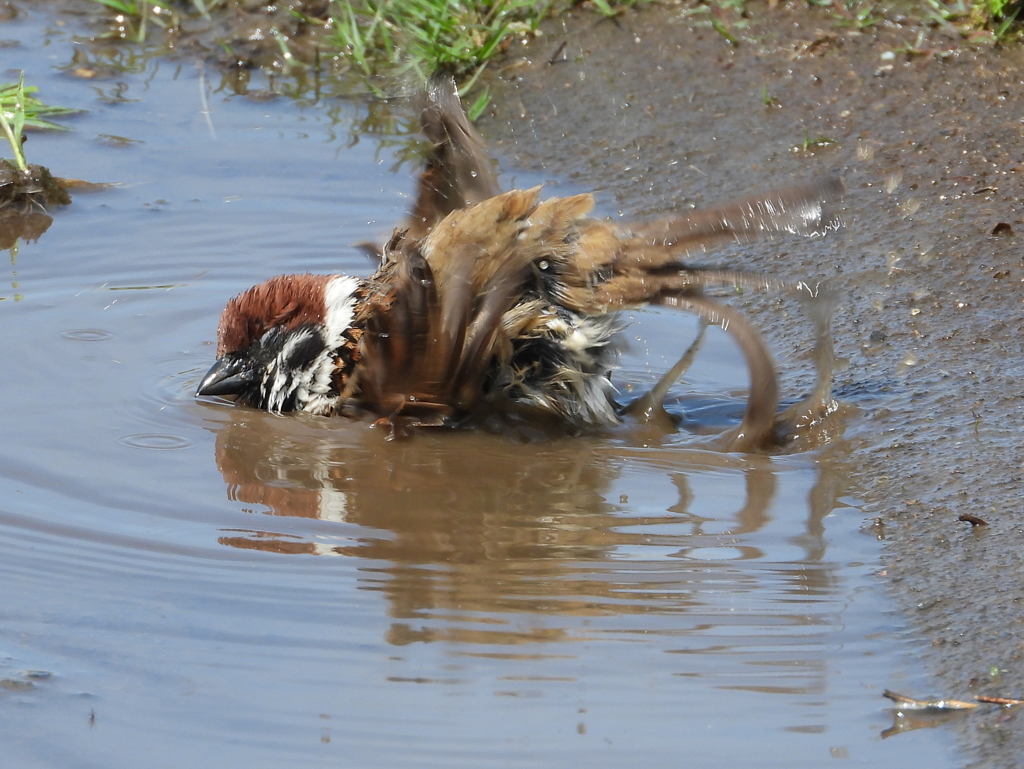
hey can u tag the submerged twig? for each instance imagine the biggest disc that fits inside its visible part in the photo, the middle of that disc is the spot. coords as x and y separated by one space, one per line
1004 701
909 703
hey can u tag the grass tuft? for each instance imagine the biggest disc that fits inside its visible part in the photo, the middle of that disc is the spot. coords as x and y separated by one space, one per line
19 108
428 36
397 38
13 128
137 15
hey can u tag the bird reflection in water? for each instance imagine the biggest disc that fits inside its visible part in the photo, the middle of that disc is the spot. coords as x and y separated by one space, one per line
478 526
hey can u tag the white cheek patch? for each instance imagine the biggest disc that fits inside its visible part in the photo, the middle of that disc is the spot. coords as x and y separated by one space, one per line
315 386
310 382
340 301
315 383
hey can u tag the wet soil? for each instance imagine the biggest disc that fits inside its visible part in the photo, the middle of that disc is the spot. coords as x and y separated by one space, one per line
929 270
34 187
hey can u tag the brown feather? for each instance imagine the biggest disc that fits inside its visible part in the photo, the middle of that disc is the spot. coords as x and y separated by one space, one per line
439 320
458 172
287 301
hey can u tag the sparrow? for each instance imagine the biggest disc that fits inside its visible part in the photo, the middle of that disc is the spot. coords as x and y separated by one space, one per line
496 303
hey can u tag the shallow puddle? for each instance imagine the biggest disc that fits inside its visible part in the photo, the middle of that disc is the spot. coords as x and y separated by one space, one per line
193 583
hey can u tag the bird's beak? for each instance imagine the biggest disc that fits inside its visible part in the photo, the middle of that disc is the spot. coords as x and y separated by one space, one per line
227 377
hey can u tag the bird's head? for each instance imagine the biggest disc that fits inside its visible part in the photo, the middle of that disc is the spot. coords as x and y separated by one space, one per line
287 344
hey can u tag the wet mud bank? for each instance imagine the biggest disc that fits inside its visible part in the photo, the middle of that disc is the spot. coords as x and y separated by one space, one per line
929 269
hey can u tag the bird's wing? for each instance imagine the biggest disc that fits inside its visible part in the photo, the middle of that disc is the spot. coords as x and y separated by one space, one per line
458 171
799 210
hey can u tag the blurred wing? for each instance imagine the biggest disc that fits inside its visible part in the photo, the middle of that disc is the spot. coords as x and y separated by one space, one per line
797 210
437 323
399 349
458 172
757 430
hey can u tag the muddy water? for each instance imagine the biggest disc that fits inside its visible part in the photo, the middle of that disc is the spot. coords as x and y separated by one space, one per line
193 583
